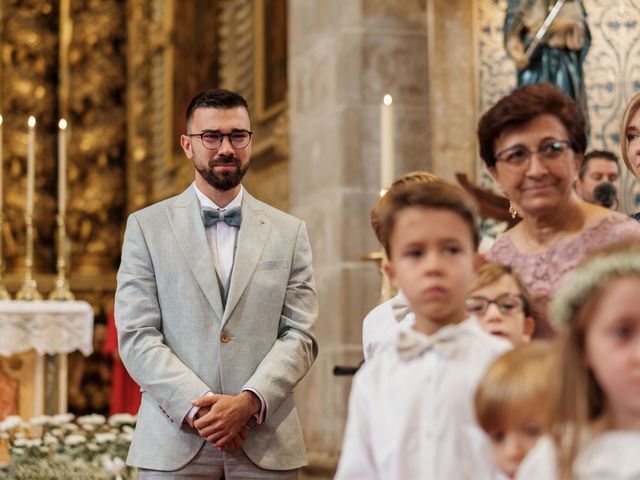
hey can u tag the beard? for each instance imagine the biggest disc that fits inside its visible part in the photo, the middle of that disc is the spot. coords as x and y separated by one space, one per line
225 180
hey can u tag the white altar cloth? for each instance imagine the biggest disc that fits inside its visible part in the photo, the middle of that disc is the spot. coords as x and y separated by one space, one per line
48 327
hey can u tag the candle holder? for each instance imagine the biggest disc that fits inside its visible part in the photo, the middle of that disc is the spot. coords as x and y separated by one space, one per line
386 289
4 294
29 288
61 290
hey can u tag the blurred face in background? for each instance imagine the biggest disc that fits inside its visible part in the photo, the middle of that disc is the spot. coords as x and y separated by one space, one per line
598 170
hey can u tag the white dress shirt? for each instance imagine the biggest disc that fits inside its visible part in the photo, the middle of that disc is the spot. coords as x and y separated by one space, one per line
412 418
380 324
609 456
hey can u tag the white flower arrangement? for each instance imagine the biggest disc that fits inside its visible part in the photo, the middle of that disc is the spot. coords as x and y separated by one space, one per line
62 446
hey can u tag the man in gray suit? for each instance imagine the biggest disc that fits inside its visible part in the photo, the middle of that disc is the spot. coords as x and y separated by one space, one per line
215 310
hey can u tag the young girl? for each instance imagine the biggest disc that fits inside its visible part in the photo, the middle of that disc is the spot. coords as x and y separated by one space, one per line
512 405
596 413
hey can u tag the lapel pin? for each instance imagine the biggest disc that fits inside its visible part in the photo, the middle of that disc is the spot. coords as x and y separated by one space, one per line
261 220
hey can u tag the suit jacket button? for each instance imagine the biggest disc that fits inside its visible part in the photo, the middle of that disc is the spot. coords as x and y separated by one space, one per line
224 338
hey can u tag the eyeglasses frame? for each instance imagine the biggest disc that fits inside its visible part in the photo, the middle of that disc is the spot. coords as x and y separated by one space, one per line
228 135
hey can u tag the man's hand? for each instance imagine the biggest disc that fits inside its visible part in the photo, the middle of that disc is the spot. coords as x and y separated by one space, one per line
236 442
226 418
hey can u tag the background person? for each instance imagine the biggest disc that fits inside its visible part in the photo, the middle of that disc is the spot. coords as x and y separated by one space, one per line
500 302
532 142
595 411
512 403
380 323
630 138
598 167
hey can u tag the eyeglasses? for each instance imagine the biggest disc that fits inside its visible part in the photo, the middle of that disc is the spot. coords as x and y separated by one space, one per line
213 140
518 158
507 303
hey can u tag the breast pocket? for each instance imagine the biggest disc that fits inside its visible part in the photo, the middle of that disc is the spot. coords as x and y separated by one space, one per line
272 265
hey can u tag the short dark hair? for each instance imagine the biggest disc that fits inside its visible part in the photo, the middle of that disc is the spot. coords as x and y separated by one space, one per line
604 154
523 105
216 98
436 194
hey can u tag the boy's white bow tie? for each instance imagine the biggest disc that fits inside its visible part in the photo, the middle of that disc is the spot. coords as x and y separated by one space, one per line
411 344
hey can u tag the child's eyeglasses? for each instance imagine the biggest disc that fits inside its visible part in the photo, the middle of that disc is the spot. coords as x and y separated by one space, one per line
507 303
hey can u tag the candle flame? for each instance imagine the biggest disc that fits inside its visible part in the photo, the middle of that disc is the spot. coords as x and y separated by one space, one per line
383 192
388 100
32 121
0 119
62 124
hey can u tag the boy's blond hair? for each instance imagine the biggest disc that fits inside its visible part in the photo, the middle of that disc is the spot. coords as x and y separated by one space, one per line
491 272
515 386
439 195
410 178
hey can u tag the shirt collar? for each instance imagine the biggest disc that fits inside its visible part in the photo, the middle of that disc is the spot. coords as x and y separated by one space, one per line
207 202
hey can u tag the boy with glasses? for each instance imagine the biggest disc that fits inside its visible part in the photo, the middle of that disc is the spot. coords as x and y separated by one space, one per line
499 300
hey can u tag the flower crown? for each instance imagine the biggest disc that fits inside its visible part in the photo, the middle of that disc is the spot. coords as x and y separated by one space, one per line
589 277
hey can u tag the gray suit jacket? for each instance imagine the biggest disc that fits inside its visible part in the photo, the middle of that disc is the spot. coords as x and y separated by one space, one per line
170 320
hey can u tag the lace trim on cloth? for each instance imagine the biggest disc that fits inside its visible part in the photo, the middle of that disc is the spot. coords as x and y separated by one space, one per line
636 216
543 272
46 326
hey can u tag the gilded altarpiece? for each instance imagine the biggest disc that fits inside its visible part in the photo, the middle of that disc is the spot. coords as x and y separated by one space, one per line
64 58
612 70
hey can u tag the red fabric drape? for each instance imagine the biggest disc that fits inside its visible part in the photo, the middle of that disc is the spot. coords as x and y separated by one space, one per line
125 393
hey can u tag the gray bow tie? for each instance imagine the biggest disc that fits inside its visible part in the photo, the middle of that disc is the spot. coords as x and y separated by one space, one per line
232 217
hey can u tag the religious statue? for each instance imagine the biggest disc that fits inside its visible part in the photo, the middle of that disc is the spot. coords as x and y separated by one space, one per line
548 41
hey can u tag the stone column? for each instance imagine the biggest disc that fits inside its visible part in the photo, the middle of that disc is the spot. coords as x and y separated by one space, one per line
343 58
452 87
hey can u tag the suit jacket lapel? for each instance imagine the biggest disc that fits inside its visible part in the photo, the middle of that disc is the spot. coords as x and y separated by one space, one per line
251 240
186 221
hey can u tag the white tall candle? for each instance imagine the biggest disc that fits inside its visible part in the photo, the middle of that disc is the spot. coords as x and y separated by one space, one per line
387 142
62 166
31 162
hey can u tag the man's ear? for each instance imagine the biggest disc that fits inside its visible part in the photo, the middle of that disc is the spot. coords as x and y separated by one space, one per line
187 146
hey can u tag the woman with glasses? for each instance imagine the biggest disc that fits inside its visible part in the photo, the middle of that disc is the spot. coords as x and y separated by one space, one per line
630 139
532 142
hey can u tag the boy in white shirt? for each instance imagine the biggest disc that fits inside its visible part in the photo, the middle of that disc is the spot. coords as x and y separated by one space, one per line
410 411
378 327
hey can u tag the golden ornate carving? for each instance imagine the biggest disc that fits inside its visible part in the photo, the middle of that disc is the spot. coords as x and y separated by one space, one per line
28 58
139 103
97 119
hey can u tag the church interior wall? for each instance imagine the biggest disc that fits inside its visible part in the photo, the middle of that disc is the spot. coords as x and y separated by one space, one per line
316 146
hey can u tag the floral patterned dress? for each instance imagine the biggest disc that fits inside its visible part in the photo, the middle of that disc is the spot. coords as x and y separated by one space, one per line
543 273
